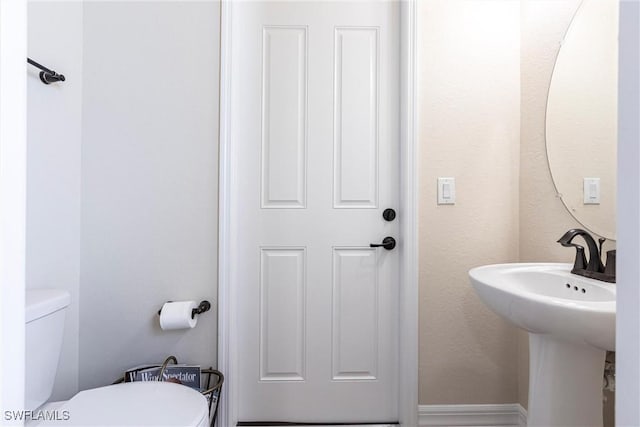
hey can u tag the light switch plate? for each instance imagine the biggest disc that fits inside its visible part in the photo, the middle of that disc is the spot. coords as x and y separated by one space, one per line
591 191
446 191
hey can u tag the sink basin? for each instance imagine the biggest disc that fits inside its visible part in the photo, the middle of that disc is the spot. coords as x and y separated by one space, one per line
548 299
571 324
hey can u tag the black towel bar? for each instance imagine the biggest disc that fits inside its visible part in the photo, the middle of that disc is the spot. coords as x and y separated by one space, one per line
46 75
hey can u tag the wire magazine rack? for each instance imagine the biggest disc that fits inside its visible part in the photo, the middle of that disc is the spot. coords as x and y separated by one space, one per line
211 388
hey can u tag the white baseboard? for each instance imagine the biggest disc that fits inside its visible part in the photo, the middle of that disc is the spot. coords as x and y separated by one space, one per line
508 414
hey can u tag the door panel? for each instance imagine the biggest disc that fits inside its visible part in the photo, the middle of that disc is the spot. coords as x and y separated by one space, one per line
315 129
355 314
282 314
284 117
356 117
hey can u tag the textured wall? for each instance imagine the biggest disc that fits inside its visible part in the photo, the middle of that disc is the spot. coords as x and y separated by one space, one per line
149 182
473 125
54 119
469 123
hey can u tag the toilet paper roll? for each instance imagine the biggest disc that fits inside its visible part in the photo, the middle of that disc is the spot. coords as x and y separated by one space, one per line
177 315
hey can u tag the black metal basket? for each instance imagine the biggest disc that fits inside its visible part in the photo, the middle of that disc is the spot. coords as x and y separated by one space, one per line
211 380
213 391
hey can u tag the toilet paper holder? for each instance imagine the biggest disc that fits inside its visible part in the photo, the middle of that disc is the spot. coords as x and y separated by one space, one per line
201 308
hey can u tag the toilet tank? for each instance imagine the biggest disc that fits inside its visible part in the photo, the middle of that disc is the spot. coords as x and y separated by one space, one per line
44 315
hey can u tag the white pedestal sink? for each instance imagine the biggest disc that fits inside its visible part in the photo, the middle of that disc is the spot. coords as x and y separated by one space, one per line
571 324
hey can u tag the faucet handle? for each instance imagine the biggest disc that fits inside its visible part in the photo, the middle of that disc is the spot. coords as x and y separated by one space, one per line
580 262
601 240
610 267
581 259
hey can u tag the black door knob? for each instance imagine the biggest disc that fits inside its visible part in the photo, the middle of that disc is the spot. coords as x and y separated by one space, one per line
389 214
388 243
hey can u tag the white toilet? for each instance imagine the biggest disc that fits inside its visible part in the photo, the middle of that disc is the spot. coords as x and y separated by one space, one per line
126 404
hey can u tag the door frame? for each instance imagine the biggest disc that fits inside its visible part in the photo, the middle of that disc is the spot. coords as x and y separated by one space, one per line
408 301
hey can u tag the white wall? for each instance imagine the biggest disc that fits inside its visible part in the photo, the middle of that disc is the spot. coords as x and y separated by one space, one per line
123 161
53 170
149 181
13 139
469 124
628 295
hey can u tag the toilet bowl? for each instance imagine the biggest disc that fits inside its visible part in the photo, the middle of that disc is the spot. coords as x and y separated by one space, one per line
126 404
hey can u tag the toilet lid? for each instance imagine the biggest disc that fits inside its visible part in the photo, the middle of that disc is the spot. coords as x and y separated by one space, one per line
151 403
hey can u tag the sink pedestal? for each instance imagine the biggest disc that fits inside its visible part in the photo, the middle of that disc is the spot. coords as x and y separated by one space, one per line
565 383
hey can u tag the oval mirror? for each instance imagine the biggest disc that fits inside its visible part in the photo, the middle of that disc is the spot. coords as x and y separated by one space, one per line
581 117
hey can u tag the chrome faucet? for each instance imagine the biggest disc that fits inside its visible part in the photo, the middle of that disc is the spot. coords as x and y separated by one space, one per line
594 267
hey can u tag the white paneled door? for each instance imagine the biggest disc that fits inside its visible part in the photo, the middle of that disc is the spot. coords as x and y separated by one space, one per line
315 114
